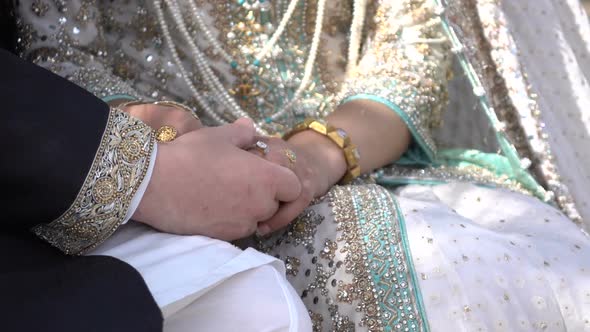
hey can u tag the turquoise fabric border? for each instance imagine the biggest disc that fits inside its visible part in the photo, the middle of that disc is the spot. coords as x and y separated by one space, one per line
406 244
425 155
460 158
110 98
381 232
498 164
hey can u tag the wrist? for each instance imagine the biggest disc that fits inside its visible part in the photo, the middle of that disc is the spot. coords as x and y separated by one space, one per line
145 209
327 154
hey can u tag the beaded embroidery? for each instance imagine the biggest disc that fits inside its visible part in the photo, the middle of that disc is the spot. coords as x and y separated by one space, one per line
359 274
118 170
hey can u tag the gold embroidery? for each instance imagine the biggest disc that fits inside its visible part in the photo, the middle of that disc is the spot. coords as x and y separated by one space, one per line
118 169
407 64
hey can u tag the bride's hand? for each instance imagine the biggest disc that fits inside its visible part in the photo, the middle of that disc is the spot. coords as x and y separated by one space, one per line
317 162
157 116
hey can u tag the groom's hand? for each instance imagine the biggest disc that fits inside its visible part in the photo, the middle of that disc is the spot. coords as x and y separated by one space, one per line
205 183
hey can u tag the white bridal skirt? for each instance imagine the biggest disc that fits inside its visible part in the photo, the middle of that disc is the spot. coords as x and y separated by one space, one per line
494 260
485 260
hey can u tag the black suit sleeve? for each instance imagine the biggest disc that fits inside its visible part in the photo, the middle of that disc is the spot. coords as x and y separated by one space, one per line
70 164
50 132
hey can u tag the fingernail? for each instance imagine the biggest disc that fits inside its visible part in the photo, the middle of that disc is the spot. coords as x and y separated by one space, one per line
263 230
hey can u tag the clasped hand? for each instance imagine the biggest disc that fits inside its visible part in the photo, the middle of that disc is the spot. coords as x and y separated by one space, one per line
209 181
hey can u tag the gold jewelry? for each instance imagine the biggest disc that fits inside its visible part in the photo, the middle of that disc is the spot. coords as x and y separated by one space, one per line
121 106
166 134
166 103
339 137
262 147
170 103
291 156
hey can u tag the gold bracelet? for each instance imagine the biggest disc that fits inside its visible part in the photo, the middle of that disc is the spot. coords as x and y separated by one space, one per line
165 103
165 133
170 103
339 137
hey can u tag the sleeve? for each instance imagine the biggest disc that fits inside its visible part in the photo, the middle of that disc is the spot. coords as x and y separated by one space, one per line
404 64
71 166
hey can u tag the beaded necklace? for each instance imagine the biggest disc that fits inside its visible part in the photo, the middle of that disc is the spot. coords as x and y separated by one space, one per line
230 109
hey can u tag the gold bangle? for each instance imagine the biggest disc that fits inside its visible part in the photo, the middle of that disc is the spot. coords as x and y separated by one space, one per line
166 103
166 133
127 103
170 103
339 137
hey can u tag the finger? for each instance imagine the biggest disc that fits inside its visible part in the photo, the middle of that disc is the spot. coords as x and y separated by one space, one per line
277 151
256 152
190 124
261 148
242 133
271 208
286 214
286 183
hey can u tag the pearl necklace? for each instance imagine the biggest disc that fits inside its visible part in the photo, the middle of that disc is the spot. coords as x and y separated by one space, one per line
267 47
356 31
219 92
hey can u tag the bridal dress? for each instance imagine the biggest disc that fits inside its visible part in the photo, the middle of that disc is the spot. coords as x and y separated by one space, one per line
480 226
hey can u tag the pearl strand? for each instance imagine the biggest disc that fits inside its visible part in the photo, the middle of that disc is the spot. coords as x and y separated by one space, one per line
277 34
208 34
200 99
267 47
356 31
211 80
309 65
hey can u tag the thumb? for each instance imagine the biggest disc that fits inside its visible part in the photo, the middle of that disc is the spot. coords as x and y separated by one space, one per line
241 133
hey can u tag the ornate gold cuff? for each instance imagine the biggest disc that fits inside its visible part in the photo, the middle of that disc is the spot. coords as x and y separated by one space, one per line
339 137
118 169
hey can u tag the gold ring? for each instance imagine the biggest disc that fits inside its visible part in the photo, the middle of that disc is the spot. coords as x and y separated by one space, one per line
291 156
262 147
166 134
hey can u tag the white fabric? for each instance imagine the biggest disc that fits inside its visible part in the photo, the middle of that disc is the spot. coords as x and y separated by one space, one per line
553 39
493 260
254 300
180 272
143 186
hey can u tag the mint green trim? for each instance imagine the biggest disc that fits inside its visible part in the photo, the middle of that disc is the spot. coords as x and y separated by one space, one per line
402 181
410 262
460 158
427 152
110 98
498 164
505 145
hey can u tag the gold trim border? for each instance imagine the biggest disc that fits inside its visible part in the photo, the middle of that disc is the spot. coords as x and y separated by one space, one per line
118 169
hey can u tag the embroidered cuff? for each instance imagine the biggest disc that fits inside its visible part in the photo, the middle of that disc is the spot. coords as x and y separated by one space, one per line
118 170
416 110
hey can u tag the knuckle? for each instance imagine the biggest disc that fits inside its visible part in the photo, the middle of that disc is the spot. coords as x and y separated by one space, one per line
261 211
249 229
306 188
268 181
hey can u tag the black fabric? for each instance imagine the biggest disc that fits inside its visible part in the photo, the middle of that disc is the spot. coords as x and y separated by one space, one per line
43 290
7 25
49 134
50 131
